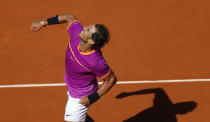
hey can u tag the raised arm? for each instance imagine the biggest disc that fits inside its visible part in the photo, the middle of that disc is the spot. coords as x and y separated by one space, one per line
58 19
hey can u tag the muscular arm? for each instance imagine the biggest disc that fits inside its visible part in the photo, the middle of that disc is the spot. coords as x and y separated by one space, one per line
64 18
108 83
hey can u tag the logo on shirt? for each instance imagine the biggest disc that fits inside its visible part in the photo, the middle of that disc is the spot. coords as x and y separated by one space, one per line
71 58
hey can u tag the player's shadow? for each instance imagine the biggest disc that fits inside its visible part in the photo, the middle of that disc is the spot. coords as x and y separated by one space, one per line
89 119
163 110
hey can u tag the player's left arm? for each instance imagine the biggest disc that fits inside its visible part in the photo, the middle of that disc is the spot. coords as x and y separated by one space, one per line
108 82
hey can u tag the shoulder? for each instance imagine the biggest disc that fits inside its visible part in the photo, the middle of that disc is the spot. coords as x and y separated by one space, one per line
99 61
92 59
101 69
74 24
74 28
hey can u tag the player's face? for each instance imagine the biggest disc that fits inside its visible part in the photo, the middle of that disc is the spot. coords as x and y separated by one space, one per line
87 32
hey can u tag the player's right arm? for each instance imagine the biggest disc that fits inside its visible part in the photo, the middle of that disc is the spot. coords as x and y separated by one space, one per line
58 19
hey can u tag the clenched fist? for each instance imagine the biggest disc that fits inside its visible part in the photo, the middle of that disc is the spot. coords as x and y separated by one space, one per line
85 101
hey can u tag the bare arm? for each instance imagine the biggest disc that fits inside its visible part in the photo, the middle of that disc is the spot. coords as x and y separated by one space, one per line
108 83
64 18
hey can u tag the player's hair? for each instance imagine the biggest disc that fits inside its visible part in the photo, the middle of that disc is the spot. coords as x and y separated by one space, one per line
100 37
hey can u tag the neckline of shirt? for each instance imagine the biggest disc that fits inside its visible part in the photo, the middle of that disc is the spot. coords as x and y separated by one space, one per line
87 53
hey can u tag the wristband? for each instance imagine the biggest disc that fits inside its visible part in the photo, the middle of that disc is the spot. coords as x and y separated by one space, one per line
53 20
93 97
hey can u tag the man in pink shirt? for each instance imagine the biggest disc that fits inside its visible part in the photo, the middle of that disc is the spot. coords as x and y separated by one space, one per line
84 63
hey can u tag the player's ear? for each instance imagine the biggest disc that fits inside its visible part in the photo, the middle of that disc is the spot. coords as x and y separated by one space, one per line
90 41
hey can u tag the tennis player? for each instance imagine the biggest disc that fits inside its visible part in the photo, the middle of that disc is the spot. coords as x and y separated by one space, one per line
84 63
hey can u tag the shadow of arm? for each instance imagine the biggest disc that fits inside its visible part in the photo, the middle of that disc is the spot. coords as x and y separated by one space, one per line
145 91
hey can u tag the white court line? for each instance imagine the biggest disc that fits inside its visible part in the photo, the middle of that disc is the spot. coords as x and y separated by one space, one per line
119 82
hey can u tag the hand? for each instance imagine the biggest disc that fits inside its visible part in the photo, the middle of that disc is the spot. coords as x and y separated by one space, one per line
85 101
35 26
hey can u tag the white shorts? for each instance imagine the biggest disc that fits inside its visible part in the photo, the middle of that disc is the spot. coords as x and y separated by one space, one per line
74 110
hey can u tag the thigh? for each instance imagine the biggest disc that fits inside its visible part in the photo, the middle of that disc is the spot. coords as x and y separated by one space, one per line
74 110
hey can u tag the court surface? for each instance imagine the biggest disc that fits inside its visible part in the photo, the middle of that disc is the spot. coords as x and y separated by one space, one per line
134 102
151 40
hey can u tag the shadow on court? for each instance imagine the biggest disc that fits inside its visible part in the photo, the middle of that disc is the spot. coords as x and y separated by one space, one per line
89 119
163 110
